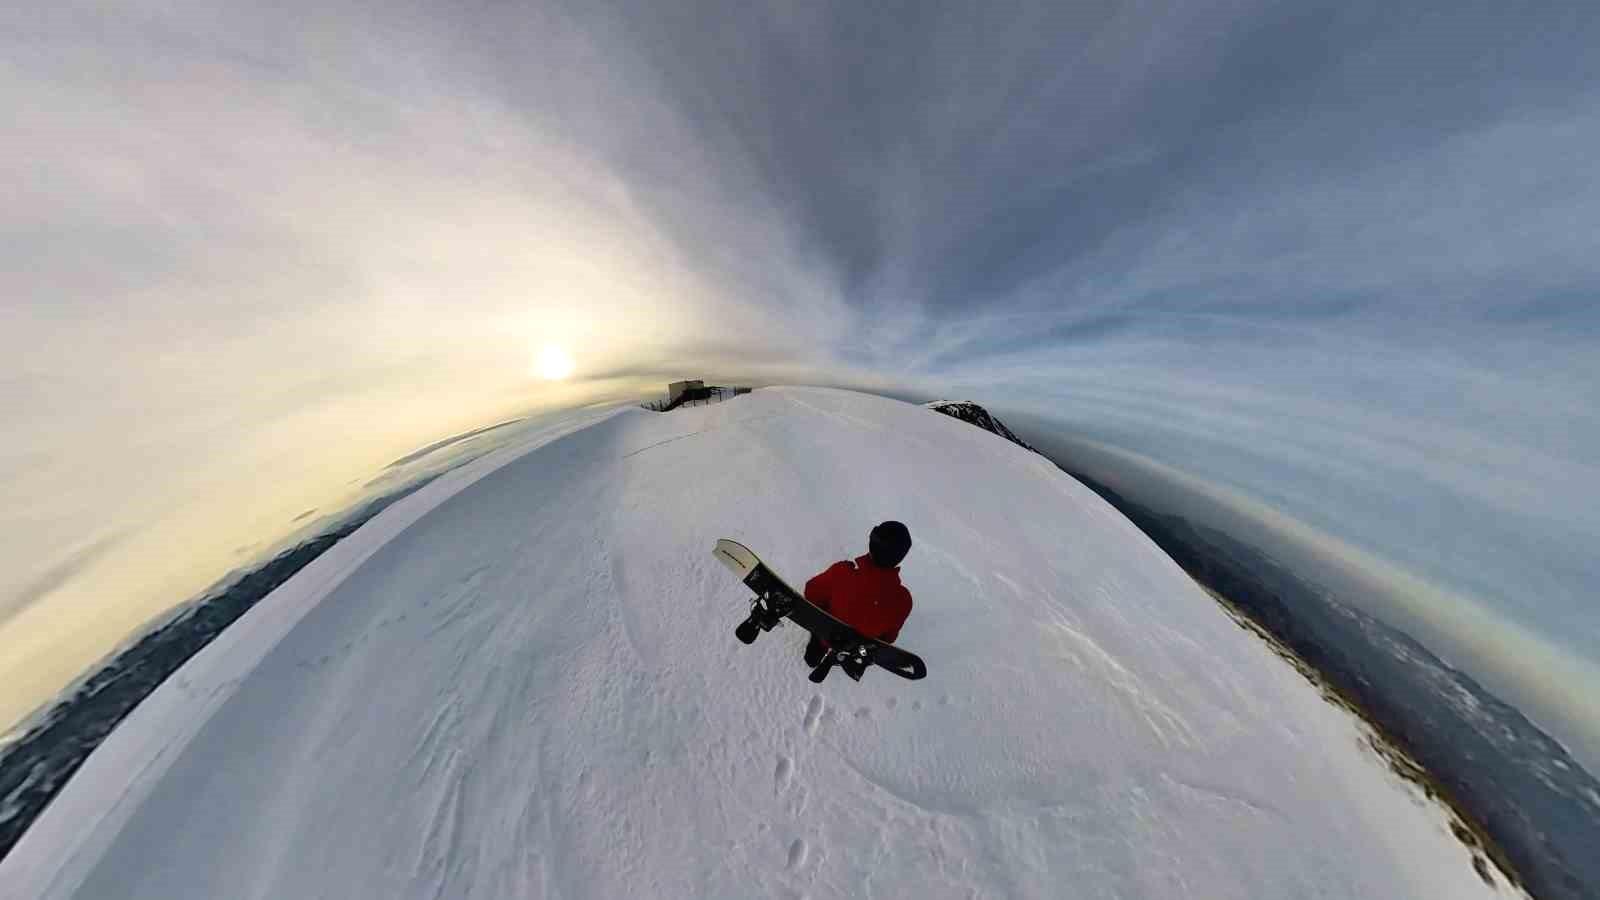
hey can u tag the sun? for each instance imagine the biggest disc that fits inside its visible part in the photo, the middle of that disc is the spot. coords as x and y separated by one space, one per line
554 363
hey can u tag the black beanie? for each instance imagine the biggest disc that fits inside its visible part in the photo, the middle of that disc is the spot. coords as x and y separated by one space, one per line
889 543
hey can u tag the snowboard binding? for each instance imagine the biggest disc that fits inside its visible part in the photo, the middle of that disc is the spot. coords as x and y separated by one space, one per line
853 660
766 613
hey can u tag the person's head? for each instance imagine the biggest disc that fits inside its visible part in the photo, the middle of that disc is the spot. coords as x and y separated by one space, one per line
889 543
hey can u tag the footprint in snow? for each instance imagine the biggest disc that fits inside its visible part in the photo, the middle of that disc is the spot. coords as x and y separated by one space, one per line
797 853
784 772
813 714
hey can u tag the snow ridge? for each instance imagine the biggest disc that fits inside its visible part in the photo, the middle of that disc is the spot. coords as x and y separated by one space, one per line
528 685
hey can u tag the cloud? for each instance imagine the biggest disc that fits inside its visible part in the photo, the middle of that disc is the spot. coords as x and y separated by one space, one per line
58 573
1445 466
1556 688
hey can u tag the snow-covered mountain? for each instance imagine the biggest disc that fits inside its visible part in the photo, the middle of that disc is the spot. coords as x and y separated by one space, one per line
522 681
973 414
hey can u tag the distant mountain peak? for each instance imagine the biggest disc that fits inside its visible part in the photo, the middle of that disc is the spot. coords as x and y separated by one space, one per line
972 413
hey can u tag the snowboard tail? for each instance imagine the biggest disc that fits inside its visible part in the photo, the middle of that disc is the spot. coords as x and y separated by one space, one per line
776 600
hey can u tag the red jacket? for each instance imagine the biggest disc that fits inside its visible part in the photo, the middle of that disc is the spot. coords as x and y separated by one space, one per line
864 596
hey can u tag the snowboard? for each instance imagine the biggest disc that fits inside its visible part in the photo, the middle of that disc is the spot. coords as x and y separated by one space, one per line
776 600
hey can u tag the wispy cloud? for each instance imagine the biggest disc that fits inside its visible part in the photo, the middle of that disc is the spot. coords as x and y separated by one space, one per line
1556 688
58 573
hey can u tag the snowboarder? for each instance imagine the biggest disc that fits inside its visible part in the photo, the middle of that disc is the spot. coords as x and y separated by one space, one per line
866 593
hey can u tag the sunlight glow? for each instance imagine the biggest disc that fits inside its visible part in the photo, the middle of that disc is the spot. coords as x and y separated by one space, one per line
554 363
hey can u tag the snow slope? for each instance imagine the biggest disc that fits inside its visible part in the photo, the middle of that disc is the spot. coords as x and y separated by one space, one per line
522 682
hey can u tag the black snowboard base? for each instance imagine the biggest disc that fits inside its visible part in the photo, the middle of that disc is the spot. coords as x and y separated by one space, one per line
776 601
768 612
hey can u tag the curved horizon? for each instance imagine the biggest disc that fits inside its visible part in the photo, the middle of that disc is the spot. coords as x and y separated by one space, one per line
1336 259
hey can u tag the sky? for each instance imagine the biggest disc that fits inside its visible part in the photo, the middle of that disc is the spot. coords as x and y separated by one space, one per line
1340 259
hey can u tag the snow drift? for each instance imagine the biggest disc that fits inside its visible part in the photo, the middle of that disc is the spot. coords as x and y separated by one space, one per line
522 681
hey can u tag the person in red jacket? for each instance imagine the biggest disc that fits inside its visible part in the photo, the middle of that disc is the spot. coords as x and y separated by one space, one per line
865 593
